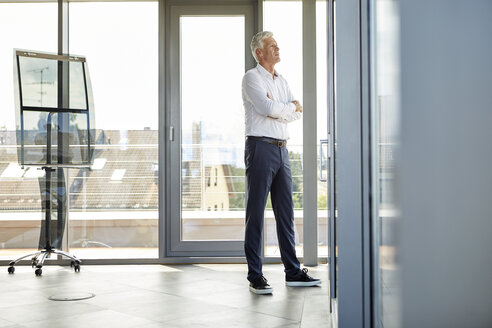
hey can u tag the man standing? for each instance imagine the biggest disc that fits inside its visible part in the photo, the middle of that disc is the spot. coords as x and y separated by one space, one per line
269 106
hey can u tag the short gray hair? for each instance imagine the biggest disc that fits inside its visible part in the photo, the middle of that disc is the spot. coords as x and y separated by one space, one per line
257 42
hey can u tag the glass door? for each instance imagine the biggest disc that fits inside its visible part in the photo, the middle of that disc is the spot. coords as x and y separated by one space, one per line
209 54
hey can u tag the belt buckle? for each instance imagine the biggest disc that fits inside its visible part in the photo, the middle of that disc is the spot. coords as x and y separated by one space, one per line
281 143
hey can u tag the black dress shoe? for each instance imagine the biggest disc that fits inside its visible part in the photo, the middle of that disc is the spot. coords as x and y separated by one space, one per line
260 286
302 279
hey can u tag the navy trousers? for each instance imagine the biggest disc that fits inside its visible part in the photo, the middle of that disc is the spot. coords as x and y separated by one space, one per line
268 170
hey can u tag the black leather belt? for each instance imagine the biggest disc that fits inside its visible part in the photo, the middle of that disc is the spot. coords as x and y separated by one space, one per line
276 142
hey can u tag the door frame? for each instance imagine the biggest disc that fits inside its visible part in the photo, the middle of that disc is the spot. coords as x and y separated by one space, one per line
332 258
174 246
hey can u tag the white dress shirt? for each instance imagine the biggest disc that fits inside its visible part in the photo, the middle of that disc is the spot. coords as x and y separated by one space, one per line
268 104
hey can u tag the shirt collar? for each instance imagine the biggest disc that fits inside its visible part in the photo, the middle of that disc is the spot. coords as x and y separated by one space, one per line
263 71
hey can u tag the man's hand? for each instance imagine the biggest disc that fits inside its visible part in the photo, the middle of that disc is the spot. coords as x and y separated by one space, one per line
298 106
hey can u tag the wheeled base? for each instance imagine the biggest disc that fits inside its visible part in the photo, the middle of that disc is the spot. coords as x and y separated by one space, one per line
39 257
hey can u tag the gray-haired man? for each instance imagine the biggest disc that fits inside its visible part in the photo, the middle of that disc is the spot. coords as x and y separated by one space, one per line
269 107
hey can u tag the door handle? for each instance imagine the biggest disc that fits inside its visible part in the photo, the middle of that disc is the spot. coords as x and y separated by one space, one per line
321 143
171 133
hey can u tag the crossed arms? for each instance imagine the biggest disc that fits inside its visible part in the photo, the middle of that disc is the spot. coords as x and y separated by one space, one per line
255 91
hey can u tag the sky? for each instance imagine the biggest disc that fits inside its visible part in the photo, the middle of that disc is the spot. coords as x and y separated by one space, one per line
123 61
23 26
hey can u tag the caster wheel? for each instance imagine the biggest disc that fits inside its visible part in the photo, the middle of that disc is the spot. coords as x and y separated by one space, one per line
77 268
11 269
72 264
38 272
34 263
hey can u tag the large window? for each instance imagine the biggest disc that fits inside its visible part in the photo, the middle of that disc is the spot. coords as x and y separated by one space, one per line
24 26
284 19
114 206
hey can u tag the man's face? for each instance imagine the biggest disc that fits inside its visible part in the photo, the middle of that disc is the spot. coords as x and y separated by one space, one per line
270 52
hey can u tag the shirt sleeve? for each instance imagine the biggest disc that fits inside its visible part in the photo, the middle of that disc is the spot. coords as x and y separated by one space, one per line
287 118
255 92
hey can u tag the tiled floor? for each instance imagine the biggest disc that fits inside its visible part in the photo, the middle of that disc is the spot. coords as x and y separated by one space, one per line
148 296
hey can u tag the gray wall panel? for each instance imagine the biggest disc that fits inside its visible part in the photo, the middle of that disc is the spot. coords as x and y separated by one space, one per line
446 179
